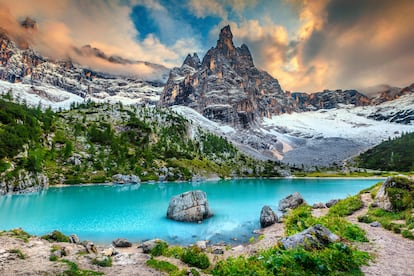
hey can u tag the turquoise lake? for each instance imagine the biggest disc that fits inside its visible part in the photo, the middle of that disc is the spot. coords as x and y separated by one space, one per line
102 213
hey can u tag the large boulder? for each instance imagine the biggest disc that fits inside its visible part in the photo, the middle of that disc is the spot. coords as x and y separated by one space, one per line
190 206
394 193
315 237
147 246
267 216
291 202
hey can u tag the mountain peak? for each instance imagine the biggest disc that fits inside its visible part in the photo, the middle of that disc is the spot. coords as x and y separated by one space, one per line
29 23
225 41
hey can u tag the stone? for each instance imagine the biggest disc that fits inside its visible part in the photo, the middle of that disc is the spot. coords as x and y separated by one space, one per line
121 243
375 224
318 205
65 251
57 253
74 239
382 200
110 251
190 206
217 250
90 247
202 244
122 178
267 217
315 237
149 245
331 203
291 202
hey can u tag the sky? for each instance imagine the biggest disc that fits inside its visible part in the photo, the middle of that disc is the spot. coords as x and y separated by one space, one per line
308 45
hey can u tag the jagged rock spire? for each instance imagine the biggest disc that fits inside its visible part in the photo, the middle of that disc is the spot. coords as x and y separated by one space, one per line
192 61
225 42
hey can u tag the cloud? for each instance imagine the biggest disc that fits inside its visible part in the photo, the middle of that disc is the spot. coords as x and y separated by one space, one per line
65 24
355 44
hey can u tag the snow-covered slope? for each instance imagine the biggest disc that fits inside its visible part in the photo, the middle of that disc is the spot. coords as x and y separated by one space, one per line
57 98
316 138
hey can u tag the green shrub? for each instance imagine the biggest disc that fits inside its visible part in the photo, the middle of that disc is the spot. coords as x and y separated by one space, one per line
162 266
407 234
20 234
18 252
174 251
56 236
53 258
194 257
346 206
159 249
365 219
335 259
75 271
105 262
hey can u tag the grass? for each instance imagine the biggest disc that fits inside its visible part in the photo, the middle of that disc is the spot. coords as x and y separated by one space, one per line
105 262
346 206
335 259
193 256
402 200
18 252
74 270
163 266
19 233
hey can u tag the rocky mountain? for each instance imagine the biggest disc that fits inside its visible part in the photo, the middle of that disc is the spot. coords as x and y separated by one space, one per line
226 86
19 63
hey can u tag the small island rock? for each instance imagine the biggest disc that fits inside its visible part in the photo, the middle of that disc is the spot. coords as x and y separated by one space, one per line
267 217
291 202
190 206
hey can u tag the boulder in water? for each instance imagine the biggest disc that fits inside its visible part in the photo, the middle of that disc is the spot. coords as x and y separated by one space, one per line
267 217
190 206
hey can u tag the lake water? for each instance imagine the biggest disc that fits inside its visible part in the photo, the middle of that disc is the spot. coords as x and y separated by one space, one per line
102 213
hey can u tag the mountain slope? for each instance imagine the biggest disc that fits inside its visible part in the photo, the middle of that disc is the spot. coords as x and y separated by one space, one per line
392 155
94 141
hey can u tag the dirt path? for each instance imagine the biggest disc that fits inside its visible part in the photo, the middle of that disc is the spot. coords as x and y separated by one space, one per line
394 254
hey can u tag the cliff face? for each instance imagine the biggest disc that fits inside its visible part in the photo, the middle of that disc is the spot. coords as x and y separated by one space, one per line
225 86
329 99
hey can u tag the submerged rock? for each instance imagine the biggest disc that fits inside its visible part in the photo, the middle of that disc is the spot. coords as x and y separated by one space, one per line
267 217
190 206
291 202
315 237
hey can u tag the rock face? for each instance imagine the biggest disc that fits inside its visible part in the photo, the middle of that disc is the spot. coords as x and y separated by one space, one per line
329 99
189 207
267 217
291 202
122 178
25 182
225 86
315 237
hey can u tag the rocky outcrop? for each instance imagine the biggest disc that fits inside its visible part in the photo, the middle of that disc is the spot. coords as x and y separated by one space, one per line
315 237
189 207
121 243
331 202
291 202
122 178
24 182
394 193
20 63
329 99
226 86
382 199
267 217
149 245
